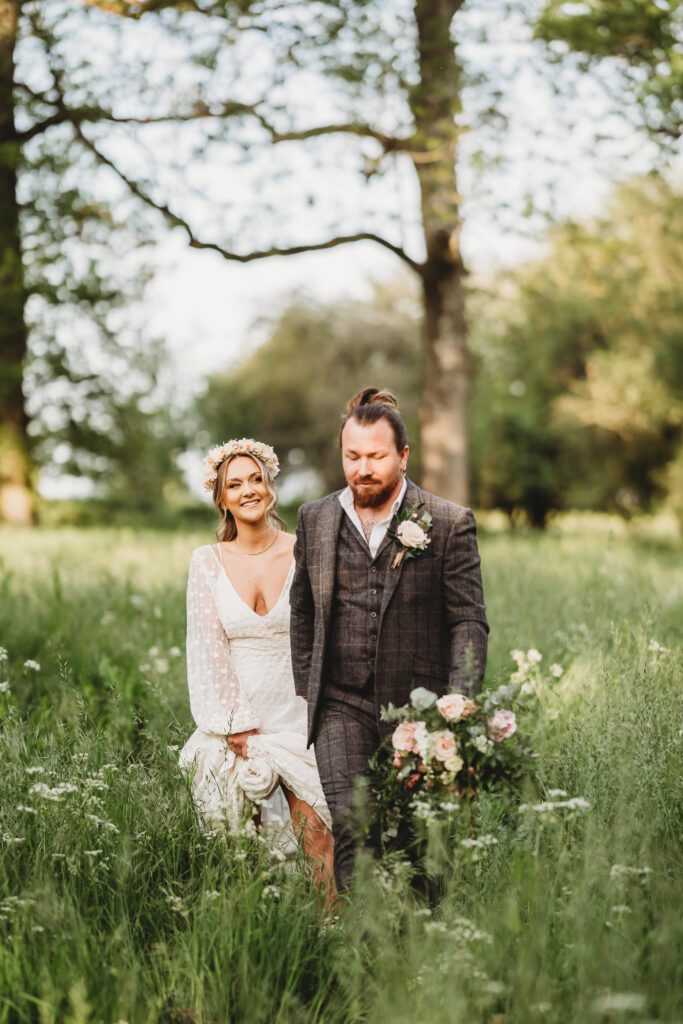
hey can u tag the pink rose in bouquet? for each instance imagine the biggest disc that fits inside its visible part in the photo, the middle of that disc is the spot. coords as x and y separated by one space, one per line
454 706
404 737
444 745
502 724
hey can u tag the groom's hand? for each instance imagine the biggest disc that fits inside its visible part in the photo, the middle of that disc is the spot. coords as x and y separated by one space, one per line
238 742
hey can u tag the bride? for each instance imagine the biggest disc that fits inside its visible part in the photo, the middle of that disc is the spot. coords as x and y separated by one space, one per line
251 726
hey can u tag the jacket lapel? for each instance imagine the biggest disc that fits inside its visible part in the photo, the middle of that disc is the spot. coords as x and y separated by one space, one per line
330 523
412 499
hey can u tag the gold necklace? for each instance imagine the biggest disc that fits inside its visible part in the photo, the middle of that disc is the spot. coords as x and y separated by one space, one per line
252 554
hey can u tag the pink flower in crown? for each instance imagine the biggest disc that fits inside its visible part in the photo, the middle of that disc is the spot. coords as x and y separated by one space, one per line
502 724
404 737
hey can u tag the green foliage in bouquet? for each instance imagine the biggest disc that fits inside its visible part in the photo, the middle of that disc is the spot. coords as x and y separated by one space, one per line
447 752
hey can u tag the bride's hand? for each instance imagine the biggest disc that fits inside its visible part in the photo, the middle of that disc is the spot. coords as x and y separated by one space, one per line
238 742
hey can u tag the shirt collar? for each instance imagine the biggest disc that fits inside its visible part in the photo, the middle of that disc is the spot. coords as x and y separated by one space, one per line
346 499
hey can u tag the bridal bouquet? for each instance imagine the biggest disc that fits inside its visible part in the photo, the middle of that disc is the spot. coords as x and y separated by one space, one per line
444 752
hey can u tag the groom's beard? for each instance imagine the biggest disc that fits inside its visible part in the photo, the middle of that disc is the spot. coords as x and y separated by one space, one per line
368 497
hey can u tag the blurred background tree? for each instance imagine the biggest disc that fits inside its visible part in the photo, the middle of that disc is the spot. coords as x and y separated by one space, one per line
101 140
578 383
293 388
83 389
640 40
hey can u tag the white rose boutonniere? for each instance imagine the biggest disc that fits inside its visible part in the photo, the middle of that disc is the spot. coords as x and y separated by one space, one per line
412 534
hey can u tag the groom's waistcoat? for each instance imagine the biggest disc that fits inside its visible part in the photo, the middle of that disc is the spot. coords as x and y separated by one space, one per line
359 584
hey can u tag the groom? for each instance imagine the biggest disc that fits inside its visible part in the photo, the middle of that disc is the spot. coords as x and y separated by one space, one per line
366 630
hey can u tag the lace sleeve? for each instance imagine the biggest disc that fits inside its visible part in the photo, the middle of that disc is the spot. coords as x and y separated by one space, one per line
215 699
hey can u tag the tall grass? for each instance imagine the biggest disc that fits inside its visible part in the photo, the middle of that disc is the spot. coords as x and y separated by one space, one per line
113 907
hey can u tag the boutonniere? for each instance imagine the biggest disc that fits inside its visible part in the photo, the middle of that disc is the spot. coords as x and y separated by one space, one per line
412 534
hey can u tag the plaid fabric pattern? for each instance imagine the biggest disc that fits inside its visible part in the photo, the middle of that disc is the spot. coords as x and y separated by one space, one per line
353 633
432 607
347 738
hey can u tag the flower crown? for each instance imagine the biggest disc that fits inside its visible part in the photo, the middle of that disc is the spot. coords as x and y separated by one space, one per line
244 446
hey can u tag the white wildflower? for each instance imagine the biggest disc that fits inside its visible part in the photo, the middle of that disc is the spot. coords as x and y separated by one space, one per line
154 652
36 769
556 670
657 648
481 843
37 928
175 652
213 895
109 825
270 892
625 871
3 654
436 927
95 783
136 600
161 666
33 665
26 809
54 793
92 853
534 656
557 794
4 686
619 1002
175 903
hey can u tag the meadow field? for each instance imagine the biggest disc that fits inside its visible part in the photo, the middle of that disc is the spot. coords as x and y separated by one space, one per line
114 908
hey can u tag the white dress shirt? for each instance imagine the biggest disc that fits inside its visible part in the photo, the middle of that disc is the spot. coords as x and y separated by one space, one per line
379 529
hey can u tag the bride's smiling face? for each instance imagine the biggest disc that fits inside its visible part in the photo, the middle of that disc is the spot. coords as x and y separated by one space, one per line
245 494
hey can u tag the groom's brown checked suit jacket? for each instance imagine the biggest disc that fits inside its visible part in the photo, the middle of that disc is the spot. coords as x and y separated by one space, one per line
432 606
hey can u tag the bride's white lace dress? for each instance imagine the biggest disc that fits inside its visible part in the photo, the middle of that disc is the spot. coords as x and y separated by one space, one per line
240 677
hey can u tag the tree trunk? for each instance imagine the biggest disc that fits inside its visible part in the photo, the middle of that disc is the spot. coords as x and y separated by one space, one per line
434 101
16 500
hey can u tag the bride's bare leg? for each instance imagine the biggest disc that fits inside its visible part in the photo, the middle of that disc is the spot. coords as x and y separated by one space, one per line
318 843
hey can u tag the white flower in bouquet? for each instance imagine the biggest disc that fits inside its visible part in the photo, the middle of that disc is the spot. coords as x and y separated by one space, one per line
454 763
423 741
482 744
422 698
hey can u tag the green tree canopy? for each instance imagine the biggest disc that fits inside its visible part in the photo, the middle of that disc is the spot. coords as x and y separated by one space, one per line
292 390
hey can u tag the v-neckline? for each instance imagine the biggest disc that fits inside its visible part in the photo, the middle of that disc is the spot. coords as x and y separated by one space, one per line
224 572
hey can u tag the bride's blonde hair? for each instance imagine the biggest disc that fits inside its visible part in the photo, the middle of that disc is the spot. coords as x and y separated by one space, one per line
227 527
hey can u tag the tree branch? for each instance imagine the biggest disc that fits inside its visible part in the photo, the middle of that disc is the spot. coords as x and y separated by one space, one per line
259 254
390 143
199 111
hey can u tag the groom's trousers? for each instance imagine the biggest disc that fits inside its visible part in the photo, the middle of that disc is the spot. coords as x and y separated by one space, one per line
346 739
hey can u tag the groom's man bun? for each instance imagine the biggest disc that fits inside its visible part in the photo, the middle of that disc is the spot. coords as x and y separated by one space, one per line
372 404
